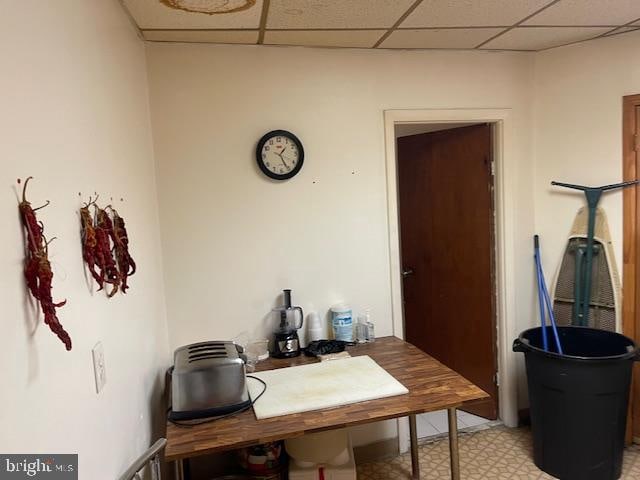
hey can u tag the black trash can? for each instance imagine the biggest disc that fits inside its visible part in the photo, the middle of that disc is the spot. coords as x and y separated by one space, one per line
578 401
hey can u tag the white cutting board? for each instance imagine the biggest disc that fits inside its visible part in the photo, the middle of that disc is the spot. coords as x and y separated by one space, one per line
321 385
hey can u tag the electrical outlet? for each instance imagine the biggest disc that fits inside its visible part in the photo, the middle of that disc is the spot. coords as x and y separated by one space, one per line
99 368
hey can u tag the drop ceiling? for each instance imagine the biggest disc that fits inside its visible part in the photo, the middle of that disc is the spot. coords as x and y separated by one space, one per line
524 25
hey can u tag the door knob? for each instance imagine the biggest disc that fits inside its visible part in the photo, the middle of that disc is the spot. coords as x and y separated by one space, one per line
406 272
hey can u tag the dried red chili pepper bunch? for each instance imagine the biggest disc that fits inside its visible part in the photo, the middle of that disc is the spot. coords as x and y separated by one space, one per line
90 244
126 264
105 242
37 269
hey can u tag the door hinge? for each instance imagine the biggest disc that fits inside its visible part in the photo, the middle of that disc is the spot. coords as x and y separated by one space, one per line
636 142
496 379
490 165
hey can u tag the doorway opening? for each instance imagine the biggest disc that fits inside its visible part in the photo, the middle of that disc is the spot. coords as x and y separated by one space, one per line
447 240
507 157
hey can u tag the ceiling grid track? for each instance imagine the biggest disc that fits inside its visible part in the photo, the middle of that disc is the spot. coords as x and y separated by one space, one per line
603 35
516 24
632 23
263 20
524 26
131 19
397 24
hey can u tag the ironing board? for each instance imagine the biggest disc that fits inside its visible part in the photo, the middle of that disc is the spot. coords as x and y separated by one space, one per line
604 304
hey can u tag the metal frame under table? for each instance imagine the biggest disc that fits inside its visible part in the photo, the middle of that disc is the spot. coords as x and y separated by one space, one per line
431 385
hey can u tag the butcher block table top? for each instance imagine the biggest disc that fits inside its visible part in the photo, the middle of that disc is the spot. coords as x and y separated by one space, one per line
432 386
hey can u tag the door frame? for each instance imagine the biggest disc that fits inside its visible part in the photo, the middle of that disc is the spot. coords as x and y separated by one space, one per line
631 251
504 181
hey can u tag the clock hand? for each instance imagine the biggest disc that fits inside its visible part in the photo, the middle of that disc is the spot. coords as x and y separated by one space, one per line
282 159
291 161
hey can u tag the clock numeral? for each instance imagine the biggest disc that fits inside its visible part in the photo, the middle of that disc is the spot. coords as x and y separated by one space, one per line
267 164
271 142
278 139
266 148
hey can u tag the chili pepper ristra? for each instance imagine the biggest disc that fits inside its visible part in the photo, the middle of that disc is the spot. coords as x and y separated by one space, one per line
105 237
90 244
126 264
37 269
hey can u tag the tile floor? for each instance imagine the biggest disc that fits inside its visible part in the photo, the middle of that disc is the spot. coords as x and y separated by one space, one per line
496 453
436 423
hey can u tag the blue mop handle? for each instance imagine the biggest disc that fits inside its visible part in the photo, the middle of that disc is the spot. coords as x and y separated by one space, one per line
543 323
547 299
552 318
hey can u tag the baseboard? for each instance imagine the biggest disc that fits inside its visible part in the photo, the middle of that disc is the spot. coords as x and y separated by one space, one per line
376 451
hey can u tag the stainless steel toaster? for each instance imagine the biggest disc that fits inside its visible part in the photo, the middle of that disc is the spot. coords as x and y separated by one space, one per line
208 380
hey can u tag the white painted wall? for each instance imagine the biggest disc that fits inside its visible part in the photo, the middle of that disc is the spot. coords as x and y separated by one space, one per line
232 239
578 133
75 116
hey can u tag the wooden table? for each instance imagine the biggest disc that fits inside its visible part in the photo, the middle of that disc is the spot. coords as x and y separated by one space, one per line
432 386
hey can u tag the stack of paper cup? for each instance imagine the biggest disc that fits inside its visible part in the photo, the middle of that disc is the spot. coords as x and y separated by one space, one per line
314 327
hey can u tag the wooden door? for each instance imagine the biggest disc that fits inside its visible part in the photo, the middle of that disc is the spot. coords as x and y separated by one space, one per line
631 248
445 191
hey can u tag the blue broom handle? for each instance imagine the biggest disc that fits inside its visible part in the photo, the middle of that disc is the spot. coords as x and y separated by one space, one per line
552 318
544 293
543 323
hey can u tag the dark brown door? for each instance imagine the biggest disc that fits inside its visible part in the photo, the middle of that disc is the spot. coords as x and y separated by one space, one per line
447 246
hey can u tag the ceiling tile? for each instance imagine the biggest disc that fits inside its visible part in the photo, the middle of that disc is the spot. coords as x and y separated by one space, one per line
155 14
588 12
335 14
204 36
439 38
324 38
470 13
539 38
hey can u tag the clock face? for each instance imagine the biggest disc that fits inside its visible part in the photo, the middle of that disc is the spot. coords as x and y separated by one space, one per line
279 154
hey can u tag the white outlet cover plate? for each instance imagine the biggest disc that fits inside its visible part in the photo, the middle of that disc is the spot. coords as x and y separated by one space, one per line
99 368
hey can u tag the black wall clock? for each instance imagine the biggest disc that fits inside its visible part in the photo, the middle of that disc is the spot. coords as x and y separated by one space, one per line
279 154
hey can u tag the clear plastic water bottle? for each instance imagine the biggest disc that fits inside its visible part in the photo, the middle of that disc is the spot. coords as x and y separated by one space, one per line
371 333
361 329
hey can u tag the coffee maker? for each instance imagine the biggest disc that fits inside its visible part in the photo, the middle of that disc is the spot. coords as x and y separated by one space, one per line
288 320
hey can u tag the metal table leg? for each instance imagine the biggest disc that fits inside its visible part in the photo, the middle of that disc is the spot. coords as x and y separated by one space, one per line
415 460
453 444
179 470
